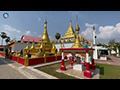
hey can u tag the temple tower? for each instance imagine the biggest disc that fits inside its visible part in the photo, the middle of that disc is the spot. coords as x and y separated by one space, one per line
70 32
45 40
77 43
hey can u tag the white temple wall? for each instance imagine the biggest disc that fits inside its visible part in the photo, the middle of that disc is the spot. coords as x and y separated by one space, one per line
18 46
66 45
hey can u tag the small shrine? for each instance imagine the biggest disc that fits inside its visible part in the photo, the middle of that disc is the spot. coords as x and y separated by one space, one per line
81 55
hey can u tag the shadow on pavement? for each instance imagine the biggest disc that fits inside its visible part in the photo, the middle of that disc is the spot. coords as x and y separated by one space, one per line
4 60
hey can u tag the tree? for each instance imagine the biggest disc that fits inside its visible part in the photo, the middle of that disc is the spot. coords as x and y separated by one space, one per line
117 47
7 39
57 36
112 42
3 36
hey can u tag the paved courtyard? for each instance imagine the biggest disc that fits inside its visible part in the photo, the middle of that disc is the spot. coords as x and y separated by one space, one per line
115 61
12 70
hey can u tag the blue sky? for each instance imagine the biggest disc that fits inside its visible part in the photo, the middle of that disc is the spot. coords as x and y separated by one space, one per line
32 23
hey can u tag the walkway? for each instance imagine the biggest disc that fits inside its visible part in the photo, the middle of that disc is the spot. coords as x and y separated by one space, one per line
115 61
12 70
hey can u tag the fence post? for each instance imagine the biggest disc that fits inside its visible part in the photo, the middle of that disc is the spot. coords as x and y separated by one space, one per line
18 58
26 60
44 58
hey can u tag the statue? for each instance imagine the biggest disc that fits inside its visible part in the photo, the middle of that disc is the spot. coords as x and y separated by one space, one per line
86 44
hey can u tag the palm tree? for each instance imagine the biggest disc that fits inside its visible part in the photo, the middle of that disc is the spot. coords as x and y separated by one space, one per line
3 36
57 36
7 39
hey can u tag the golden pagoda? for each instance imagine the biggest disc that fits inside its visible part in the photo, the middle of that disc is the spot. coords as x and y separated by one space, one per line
45 40
70 32
77 43
45 46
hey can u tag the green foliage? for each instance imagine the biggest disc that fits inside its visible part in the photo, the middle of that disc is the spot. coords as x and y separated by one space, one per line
109 71
57 36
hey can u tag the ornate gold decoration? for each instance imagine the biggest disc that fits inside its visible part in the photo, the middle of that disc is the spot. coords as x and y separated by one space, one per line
53 50
70 32
77 43
26 60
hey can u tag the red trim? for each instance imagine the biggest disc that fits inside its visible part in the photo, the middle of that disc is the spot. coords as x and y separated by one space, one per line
2 47
21 61
65 49
50 59
87 74
34 61
2 54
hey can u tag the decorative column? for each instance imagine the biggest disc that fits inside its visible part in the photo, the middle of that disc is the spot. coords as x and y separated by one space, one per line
63 68
87 72
92 66
117 52
72 61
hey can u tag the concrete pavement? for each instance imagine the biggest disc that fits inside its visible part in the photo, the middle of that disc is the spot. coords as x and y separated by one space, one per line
12 70
115 61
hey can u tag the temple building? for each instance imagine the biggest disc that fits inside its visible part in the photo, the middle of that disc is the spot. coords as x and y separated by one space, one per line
68 39
20 44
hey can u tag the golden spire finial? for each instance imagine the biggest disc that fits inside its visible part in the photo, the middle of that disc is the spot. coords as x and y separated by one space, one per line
77 26
33 45
70 22
45 36
27 47
77 43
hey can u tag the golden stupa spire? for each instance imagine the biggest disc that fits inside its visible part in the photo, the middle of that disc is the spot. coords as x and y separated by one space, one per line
77 43
45 36
70 32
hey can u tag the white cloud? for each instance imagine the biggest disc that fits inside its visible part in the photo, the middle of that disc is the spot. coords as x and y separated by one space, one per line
10 29
105 34
87 33
90 25
40 36
27 32
39 19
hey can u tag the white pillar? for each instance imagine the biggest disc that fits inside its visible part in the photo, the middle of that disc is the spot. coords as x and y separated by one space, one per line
62 55
87 57
95 53
93 37
117 52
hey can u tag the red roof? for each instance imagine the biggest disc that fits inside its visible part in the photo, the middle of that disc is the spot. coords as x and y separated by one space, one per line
30 38
2 47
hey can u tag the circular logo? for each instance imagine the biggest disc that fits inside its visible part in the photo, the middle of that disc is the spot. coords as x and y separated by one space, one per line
6 15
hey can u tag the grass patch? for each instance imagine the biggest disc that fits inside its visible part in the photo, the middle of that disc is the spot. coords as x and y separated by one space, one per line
109 71
106 71
51 69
